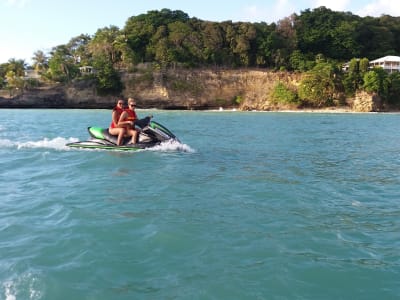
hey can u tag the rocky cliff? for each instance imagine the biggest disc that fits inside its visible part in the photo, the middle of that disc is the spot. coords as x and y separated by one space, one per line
177 89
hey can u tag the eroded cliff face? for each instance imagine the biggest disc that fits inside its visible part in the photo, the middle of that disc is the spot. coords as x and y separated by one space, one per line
178 89
366 102
207 89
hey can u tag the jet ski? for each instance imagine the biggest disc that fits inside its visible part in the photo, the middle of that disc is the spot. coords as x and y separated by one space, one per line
150 134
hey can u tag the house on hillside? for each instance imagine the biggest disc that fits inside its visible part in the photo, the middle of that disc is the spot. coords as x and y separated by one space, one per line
389 63
346 65
31 74
87 70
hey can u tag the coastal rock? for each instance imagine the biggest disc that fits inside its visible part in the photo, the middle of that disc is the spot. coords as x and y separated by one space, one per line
367 102
164 89
185 89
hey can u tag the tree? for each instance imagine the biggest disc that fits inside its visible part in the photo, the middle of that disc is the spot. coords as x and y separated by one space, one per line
319 85
298 61
62 65
375 39
353 77
40 61
78 47
163 52
178 35
213 41
325 31
245 40
376 81
106 43
284 95
18 66
140 29
394 89
108 80
364 65
14 82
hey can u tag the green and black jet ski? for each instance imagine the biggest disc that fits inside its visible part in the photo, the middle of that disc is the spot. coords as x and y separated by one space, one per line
151 134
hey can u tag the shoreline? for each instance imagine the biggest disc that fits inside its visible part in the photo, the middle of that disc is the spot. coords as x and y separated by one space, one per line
227 110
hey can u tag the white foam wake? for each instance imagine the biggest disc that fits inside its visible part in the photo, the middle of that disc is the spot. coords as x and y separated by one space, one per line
9 292
172 146
57 143
25 283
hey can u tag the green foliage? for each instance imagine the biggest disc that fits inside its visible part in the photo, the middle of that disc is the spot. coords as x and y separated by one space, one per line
331 33
319 85
107 43
298 61
352 78
62 66
18 66
281 94
40 61
78 47
237 100
394 89
171 37
108 80
363 65
14 82
376 81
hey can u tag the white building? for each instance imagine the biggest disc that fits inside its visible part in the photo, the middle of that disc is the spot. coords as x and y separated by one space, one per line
86 70
31 74
388 63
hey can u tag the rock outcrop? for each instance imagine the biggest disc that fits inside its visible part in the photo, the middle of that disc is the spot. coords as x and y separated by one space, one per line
367 102
178 89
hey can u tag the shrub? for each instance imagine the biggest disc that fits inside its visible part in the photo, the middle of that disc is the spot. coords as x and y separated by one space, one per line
283 95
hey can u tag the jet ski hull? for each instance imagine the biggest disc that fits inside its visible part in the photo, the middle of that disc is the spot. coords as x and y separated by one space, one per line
93 144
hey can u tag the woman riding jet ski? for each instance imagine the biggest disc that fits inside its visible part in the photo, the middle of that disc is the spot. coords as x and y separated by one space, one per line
150 134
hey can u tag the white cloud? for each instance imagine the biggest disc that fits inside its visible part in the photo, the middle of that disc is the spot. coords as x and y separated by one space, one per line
274 13
374 8
18 3
380 7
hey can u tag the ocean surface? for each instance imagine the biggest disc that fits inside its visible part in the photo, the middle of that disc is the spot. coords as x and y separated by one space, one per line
249 205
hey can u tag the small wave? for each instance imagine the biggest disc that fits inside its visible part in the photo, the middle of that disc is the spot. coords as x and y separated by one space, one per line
9 291
29 281
171 146
57 143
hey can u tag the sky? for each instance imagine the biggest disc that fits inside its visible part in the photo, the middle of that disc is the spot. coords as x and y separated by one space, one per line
27 26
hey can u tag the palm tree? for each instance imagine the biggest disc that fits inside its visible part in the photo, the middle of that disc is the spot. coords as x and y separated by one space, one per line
40 61
17 66
107 41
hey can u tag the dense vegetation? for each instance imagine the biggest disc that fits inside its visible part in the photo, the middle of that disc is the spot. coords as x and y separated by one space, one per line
317 42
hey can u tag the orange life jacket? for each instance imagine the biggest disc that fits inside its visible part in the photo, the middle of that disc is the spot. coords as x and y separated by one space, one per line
131 115
118 111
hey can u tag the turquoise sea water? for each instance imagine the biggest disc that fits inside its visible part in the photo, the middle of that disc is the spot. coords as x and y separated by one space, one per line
248 206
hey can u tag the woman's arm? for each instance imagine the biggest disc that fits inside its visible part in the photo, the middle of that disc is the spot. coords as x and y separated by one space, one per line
122 121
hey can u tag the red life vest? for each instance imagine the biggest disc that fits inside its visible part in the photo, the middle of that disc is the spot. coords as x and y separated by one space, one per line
118 111
131 115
